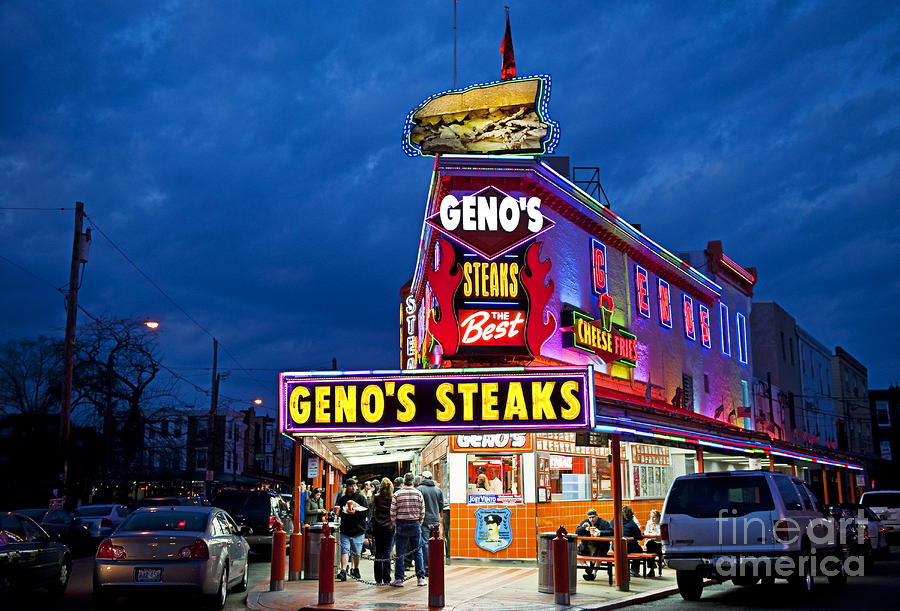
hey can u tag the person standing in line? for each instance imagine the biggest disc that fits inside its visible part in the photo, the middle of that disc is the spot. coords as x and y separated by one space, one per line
352 507
434 508
383 531
407 514
315 507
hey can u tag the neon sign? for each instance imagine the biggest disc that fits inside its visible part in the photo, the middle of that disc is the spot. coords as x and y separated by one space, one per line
705 337
598 267
490 222
665 303
600 336
408 334
687 309
501 117
445 400
742 338
491 328
724 329
498 442
641 291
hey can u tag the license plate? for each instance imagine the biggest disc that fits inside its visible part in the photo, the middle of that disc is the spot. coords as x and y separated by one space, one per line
147 575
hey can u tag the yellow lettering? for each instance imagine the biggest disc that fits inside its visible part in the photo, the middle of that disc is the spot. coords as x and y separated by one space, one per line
540 401
515 403
467 279
372 403
404 396
299 409
468 390
495 281
484 279
514 279
489 401
449 410
504 285
345 404
568 391
323 404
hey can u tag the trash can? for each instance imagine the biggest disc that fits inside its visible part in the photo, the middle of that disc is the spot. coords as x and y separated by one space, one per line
311 558
545 562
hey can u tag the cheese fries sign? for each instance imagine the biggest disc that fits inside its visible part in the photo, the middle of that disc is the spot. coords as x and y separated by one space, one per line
500 117
446 400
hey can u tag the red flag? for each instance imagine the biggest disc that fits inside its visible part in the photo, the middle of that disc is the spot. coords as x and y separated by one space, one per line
508 70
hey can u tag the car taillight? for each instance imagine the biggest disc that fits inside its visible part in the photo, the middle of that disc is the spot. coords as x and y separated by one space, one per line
106 523
197 549
664 532
782 530
110 552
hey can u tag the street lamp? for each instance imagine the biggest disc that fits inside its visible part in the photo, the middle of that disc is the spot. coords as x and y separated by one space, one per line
151 324
258 401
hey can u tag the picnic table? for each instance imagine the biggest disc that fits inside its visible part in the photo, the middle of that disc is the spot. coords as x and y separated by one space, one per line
609 561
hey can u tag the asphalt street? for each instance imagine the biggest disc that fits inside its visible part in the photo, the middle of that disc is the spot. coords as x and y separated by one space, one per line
878 589
78 594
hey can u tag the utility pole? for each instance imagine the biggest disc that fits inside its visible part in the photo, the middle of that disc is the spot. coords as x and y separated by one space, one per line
454 43
213 408
80 243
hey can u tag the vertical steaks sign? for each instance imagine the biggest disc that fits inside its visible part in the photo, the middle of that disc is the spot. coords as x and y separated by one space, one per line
545 398
488 279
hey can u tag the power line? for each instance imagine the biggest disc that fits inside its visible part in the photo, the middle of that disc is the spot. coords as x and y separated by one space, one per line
168 297
35 209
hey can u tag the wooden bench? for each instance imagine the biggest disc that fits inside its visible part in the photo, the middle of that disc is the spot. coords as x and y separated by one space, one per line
593 563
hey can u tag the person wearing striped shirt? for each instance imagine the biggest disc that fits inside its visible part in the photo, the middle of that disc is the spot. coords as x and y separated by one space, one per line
407 513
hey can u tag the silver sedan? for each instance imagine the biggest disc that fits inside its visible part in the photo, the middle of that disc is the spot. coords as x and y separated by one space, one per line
189 548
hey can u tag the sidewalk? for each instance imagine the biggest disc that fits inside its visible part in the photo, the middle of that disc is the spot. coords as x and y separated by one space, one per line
473 587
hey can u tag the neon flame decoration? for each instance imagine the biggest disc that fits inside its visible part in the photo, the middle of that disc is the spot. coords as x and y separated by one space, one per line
607 306
541 323
444 281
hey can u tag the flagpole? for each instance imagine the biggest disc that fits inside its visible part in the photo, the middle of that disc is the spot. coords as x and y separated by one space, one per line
454 43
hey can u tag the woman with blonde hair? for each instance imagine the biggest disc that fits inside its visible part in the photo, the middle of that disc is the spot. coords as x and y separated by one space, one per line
383 531
653 546
481 482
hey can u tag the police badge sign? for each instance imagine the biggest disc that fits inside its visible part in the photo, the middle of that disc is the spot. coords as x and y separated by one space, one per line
492 528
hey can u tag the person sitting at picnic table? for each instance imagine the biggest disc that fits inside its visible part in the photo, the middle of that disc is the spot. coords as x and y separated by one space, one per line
631 529
653 546
593 526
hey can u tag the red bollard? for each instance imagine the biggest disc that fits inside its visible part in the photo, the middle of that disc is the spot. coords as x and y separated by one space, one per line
296 560
279 542
560 552
326 567
436 568
305 547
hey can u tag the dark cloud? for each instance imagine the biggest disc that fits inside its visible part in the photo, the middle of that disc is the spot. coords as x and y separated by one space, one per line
247 156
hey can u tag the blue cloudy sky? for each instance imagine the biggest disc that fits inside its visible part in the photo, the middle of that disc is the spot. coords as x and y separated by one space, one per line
247 156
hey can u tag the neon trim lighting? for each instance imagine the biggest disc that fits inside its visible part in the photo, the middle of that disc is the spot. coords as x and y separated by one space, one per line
724 329
687 311
641 291
598 267
541 108
739 270
705 336
665 303
741 330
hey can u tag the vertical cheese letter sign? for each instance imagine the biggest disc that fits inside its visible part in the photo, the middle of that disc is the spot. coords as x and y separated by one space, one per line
665 304
641 291
598 267
704 326
687 308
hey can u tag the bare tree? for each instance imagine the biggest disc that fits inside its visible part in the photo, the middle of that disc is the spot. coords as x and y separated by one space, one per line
118 383
30 376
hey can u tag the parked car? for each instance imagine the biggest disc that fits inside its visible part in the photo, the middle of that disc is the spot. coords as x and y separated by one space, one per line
870 537
29 558
194 548
101 520
739 525
886 504
260 511
63 526
166 501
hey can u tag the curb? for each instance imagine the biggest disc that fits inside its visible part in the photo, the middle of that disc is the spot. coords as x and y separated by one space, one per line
637 599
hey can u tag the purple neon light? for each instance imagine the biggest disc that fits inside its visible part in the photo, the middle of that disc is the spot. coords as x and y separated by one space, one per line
484 374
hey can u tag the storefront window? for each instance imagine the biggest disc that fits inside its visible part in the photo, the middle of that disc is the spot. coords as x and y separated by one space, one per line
494 479
576 478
